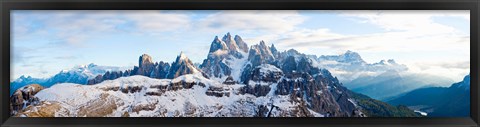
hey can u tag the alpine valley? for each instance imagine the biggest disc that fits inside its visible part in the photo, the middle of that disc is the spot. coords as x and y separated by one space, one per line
235 80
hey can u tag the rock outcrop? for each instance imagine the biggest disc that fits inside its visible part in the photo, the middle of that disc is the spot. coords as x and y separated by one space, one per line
146 67
182 66
221 51
24 97
260 54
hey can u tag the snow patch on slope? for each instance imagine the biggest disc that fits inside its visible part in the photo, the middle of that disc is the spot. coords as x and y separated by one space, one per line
237 65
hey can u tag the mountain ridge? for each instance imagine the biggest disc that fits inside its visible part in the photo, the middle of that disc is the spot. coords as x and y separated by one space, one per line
78 74
263 77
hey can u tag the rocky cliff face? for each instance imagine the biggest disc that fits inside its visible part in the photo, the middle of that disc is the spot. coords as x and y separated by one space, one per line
24 97
182 66
242 46
145 65
268 72
293 74
223 55
260 54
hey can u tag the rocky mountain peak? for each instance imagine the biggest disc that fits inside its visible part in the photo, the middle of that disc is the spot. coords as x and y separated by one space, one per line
351 56
262 47
273 49
388 62
347 57
293 52
182 56
91 65
230 42
217 44
145 60
262 43
227 37
24 97
467 77
260 53
350 52
25 77
466 80
241 44
80 68
182 66
222 54
391 61
464 84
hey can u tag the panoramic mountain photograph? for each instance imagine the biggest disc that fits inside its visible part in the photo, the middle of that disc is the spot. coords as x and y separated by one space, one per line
240 63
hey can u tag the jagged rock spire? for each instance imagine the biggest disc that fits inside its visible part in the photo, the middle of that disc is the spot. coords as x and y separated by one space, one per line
262 43
223 49
182 66
273 49
182 55
145 60
231 44
228 43
260 53
217 44
241 44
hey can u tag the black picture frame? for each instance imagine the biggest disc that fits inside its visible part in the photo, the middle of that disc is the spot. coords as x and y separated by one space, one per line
7 5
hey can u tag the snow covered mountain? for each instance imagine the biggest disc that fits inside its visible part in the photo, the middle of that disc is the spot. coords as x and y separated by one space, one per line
190 95
350 65
182 66
349 57
226 57
380 80
79 74
138 96
159 70
233 81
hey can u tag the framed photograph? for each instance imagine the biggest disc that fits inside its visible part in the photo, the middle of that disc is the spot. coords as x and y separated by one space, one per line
239 63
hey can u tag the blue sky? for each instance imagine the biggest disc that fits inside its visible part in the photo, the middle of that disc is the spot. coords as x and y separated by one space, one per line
46 42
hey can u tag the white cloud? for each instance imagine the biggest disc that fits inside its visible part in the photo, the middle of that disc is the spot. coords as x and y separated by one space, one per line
380 42
452 69
253 21
75 27
414 21
406 31
465 14
155 21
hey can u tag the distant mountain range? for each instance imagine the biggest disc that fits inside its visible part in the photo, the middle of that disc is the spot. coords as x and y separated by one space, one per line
79 74
453 101
381 80
234 80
